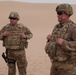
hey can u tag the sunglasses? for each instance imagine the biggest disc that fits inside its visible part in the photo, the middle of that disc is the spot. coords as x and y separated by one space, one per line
12 18
60 12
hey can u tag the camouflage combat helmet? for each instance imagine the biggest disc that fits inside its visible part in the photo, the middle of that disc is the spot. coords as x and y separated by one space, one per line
14 15
67 8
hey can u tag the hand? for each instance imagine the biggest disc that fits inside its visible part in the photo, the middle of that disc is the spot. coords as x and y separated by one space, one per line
6 33
59 41
48 37
22 35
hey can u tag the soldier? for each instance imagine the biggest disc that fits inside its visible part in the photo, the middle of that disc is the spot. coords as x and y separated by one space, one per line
14 37
61 44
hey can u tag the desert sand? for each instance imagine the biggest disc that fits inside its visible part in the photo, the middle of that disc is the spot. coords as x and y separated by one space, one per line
40 19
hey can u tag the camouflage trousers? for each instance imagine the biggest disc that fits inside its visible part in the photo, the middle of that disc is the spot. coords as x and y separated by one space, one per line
63 68
20 60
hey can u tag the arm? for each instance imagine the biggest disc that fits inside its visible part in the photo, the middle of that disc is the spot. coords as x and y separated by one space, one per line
28 33
70 45
1 33
25 36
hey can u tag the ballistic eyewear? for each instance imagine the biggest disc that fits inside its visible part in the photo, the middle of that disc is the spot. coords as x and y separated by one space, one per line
60 12
12 18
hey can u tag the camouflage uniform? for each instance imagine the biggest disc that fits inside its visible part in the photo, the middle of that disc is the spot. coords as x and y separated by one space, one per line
15 46
63 57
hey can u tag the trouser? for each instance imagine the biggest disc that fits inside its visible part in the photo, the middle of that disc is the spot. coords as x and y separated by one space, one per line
20 58
63 68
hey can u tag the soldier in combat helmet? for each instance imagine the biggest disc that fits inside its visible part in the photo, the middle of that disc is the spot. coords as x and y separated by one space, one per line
61 43
14 36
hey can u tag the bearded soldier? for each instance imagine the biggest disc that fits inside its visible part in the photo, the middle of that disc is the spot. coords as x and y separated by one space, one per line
61 44
14 37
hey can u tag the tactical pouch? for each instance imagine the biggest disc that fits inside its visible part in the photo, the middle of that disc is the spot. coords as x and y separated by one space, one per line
24 43
50 49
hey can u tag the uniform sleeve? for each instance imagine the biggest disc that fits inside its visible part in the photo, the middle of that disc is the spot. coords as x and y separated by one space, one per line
1 33
28 33
70 45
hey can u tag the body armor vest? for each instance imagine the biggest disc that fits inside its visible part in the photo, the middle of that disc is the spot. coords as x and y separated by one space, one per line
56 51
60 52
13 41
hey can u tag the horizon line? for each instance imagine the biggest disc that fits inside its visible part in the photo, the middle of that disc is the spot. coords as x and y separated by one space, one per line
36 2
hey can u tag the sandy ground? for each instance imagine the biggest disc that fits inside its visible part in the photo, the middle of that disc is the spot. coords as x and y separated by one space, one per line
40 19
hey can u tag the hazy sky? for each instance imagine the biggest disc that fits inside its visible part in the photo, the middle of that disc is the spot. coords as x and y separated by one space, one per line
46 1
50 1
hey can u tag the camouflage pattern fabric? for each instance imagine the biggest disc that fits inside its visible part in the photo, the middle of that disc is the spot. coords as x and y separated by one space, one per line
63 68
50 49
13 41
61 32
15 47
65 53
15 15
21 61
66 8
